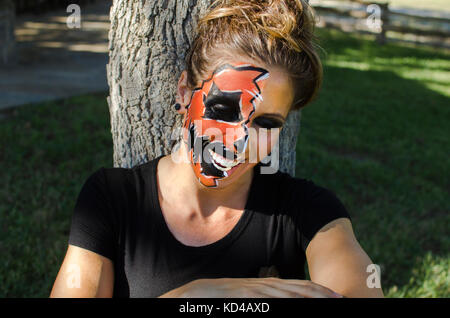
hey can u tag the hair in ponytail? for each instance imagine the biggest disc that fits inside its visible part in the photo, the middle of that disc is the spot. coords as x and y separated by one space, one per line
276 32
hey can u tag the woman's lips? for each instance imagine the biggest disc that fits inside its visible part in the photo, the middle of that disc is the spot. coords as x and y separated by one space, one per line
222 163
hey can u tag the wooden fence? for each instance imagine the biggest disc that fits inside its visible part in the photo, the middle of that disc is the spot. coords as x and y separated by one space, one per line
41 6
387 23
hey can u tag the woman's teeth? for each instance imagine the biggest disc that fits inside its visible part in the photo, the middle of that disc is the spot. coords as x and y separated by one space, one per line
222 163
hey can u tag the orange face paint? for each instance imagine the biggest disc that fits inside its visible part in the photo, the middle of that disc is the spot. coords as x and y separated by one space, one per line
218 117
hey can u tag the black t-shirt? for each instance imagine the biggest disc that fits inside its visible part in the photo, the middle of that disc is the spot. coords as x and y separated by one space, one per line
118 215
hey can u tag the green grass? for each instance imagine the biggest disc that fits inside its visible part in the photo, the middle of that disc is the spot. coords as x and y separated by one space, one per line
377 136
46 153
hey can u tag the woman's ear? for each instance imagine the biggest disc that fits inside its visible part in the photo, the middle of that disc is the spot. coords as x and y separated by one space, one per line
184 93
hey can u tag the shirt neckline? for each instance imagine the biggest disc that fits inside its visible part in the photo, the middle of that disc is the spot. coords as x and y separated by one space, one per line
230 237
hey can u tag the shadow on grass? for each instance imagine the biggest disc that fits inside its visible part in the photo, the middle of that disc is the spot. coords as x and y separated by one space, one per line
47 151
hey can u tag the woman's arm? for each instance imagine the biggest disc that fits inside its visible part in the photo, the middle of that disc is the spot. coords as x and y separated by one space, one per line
270 287
337 261
84 274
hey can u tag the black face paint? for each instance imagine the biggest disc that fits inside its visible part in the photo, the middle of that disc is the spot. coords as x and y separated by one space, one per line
222 105
268 122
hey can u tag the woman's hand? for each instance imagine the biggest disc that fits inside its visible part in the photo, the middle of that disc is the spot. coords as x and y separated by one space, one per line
251 288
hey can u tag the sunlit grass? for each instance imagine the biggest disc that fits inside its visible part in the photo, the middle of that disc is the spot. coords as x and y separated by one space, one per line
430 277
430 66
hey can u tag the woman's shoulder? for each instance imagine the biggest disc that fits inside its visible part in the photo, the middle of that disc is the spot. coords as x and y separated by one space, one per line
298 194
110 178
116 184
309 205
124 176
286 183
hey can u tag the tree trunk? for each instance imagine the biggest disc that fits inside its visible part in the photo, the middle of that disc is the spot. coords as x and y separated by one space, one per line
148 43
7 39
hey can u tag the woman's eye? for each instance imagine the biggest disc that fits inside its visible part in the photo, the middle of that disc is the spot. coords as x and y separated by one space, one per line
224 112
268 123
220 108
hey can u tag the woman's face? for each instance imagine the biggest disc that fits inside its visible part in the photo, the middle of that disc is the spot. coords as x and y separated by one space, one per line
233 120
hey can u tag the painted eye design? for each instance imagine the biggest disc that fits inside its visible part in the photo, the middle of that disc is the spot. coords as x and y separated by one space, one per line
222 105
223 112
265 122
220 109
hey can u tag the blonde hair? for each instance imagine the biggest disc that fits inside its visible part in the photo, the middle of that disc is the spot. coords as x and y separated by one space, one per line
276 32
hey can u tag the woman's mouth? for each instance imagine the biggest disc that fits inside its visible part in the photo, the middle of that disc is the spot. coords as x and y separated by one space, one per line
222 163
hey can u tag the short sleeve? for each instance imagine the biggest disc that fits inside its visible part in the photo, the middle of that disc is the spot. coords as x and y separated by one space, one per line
92 226
320 206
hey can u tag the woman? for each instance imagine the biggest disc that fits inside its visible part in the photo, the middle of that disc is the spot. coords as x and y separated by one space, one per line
205 220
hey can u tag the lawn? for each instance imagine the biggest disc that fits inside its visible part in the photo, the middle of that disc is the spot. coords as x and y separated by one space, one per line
377 136
46 153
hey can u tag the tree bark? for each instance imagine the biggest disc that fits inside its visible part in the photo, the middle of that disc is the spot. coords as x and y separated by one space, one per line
148 43
7 39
